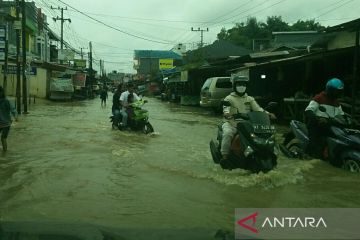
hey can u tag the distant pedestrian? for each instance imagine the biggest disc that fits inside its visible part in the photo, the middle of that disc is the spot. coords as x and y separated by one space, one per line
103 96
5 118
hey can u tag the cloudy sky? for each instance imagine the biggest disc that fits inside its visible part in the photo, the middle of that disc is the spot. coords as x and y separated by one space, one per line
118 27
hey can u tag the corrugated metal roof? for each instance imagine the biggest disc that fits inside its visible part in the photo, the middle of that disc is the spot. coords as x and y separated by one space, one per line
156 54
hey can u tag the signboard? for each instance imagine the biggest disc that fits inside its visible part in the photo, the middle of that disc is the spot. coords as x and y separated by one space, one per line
66 55
2 55
2 32
166 63
184 76
61 85
12 69
17 25
79 79
80 63
2 42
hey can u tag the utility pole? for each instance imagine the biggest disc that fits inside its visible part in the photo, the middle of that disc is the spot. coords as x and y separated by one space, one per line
23 36
81 52
62 19
6 56
201 34
356 73
18 80
91 70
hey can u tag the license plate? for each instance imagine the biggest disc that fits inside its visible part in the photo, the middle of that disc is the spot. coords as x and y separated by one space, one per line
264 128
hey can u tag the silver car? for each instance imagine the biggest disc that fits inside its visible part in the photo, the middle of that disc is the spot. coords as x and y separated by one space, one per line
213 91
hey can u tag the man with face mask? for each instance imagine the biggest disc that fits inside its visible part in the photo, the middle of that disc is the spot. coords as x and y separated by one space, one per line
240 102
317 121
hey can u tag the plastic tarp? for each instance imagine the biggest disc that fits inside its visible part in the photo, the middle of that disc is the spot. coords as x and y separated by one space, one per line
61 85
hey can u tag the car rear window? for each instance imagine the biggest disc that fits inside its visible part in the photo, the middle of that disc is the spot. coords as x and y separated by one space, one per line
206 84
223 83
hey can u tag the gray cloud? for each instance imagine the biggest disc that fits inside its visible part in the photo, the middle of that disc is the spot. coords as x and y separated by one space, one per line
179 16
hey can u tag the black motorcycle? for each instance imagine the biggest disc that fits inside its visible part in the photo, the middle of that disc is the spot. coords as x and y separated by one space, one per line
342 147
253 146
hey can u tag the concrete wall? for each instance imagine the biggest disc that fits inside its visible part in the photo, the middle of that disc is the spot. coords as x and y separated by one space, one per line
342 40
37 84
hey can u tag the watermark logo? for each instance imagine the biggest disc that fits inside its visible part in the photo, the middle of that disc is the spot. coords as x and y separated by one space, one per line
242 223
297 223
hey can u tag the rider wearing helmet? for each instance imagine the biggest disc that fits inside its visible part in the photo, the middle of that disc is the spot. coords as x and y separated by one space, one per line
239 102
317 121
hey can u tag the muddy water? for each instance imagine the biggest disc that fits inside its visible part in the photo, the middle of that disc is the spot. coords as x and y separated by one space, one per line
66 164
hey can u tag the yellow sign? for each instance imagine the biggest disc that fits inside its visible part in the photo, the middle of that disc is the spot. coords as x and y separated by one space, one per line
166 63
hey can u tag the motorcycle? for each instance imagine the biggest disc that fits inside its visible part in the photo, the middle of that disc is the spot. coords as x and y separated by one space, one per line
253 147
138 119
342 147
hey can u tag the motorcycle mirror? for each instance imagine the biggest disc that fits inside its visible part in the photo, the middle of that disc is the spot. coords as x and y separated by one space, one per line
226 103
322 109
272 104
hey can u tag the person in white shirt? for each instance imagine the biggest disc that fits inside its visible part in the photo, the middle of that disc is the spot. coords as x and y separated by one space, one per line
240 102
124 103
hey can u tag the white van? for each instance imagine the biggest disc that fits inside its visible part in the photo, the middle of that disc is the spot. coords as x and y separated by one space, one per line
214 90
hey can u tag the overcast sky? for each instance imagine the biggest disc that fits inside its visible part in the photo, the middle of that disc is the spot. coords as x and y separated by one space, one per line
166 23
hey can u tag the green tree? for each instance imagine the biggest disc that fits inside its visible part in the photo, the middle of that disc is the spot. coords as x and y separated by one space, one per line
275 24
307 25
243 33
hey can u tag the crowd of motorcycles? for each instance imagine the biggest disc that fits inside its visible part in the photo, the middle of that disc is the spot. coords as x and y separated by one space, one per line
254 146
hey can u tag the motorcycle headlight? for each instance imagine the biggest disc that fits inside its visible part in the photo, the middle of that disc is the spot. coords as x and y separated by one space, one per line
257 140
248 151
271 140
261 141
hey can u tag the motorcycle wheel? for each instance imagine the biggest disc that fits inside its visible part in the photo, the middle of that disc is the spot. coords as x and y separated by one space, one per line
215 154
148 128
294 147
352 165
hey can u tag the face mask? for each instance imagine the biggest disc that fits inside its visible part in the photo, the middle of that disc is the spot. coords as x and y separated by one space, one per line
240 89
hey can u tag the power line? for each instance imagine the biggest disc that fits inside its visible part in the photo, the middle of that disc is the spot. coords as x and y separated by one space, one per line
146 19
333 9
277 3
247 10
242 5
114 28
139 33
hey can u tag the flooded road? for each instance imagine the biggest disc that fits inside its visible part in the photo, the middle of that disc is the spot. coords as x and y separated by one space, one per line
66 164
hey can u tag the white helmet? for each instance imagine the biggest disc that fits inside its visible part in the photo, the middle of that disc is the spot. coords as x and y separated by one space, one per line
240 84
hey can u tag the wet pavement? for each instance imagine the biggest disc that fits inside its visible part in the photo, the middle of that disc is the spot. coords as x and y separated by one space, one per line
66 164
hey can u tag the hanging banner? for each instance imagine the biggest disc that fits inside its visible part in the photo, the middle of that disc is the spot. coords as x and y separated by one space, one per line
79 79
80 63
66 55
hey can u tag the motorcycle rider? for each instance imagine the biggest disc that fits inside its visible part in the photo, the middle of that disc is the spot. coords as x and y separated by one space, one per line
318 121
125 104
116 105
240 102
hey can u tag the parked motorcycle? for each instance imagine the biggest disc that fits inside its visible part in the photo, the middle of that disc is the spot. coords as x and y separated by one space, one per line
138 119
342 145
253 146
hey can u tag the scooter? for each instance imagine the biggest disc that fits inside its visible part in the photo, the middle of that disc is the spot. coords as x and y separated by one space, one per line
342 145
253 147
139 120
